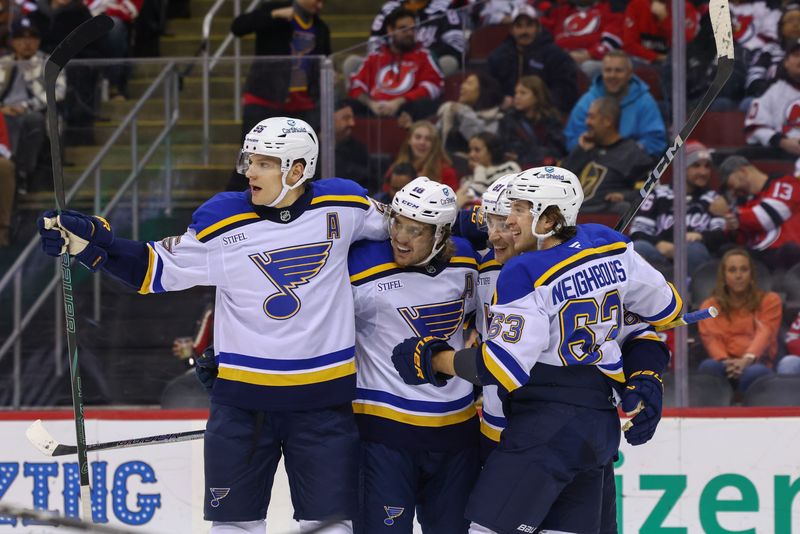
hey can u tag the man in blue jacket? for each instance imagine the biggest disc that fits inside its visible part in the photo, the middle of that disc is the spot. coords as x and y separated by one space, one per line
641 119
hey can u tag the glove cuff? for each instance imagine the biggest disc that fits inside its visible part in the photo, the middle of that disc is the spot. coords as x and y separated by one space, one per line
653 375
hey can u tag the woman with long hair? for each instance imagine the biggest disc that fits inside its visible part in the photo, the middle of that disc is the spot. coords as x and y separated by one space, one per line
532 131
423 149
477 110
742 342
487 162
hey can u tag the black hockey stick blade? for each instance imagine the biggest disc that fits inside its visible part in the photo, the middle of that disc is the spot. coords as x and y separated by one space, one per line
40 438
77 40
721 25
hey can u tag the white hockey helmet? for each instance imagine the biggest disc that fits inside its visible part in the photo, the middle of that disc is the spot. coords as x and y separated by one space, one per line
548 186
495 200
284 138
428 202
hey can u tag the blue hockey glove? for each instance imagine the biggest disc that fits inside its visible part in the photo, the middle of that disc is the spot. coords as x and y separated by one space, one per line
644 393
413 360
207 368
83 236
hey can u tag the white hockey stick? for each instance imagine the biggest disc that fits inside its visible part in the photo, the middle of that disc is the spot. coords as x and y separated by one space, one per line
38 435
720 15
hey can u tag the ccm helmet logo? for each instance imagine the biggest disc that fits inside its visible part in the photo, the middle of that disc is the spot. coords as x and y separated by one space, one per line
410 204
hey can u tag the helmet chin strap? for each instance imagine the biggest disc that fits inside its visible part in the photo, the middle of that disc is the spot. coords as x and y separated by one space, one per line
540 237
285 188
436 249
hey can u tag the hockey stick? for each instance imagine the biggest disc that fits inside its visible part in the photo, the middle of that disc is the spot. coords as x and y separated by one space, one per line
38 435
721 26
77 40
51 518
689 318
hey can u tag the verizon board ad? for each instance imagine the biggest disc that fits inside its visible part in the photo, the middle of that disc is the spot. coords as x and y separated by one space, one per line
709 474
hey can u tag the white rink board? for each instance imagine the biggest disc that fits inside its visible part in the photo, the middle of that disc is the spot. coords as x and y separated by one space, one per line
696 460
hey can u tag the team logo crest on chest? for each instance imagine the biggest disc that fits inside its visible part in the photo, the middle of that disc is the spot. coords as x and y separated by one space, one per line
289 268
440 320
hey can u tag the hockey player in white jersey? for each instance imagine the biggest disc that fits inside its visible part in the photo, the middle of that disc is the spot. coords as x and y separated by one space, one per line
555 318
419 444
284 334
495 208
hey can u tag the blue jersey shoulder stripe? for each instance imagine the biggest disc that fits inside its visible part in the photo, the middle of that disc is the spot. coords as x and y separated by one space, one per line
338 192
669 313
221 213
515 280
494 420
368 260
578 259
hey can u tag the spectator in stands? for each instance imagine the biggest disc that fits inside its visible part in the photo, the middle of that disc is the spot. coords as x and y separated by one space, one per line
401 76
400 175
766 60
774 117
607 164
276 88
754 24
790 364
651 229
23 101
531 130
498 11
423 149
352 157
647 33
640 120
438 30
742 341
487 163
477 110
55 19
6 186
765 218
118 41
531 50
588 30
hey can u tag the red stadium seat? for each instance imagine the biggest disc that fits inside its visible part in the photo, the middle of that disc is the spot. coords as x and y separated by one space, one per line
452 85
485 39
650 76
719 129
380 135
608 219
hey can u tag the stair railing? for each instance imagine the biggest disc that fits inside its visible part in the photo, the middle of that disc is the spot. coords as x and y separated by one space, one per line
168 79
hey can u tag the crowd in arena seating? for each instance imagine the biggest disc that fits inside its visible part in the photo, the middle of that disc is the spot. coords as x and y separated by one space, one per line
586 84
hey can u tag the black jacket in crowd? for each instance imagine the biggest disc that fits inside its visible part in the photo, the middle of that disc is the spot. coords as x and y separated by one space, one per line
270 79
542 58
534 143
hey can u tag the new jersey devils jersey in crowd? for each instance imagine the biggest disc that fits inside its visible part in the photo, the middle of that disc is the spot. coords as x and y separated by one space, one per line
769 219
774 114
284 329
386 76
754 24
391 304
655 218
595 29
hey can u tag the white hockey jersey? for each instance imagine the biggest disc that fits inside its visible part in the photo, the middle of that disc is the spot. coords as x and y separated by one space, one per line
754 24
777 111
493 420
283 328
392 304
563 307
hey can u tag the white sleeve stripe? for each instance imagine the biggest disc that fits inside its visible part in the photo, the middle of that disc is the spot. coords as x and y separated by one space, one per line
781 208
432 89
763 218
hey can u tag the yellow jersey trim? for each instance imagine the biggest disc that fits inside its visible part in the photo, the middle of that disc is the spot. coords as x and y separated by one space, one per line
575 257
340 198
414 419
490 432
373 270
288 379
148 277
619 376
464 259
225 222
504 378
677 311
490 263
302 24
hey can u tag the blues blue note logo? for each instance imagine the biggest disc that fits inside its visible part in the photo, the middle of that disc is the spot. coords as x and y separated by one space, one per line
439 320
289 268
217 495
393 512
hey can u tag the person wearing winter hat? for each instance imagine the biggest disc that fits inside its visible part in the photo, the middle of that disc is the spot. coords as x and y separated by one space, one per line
651 230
